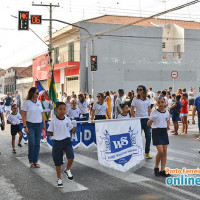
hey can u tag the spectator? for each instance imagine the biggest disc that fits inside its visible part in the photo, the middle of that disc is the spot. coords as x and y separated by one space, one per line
175 111
191 94
118 103
184 113
152 97
108 102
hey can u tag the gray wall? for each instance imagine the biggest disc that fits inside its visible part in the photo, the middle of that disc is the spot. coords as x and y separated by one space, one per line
127 62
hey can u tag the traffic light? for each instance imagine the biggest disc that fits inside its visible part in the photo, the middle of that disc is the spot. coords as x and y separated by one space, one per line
23 20
93 63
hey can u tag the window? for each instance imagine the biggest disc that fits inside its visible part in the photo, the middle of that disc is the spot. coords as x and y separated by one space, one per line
71 52
56 55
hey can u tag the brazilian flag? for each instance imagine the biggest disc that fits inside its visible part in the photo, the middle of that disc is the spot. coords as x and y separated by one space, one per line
52 92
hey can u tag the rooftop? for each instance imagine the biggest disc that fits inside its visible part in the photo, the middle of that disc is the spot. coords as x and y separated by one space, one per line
112 19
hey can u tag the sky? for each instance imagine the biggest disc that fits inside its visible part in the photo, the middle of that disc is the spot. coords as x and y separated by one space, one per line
18 48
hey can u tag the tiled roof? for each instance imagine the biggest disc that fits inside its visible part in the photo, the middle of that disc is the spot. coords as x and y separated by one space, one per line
111 19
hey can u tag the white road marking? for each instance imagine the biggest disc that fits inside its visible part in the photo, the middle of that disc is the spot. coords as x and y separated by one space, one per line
49 175
127 176
180 160
162 191
133 178
8 191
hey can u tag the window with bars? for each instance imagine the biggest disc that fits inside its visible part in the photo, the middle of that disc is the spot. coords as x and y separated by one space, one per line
71 52
56 55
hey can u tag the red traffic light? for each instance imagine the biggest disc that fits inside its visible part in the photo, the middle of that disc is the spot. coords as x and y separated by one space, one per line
94 59
24 15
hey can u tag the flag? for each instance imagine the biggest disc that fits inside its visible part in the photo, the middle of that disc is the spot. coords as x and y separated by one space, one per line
52 92
41 90
119 144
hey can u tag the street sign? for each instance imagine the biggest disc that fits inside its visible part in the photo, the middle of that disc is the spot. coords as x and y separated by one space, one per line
36 19
174 74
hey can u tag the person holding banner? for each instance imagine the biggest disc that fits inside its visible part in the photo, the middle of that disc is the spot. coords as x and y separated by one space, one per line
159 120
60 128
143 109
33 121
84 107
100 108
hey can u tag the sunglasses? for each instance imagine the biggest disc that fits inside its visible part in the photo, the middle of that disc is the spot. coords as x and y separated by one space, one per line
139 89
98 96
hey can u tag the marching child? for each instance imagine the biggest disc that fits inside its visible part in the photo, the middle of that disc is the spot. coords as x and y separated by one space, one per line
60 128
159 120
73 112
14 119
125 112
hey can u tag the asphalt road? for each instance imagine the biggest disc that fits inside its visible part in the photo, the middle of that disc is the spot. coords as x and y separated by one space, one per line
92 181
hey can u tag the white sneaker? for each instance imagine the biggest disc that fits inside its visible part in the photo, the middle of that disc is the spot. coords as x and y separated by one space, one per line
68 174
60 183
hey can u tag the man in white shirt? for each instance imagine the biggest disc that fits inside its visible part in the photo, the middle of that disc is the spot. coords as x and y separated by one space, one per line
118 103
152 97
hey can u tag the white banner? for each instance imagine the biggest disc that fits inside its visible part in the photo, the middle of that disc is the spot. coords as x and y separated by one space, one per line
119 144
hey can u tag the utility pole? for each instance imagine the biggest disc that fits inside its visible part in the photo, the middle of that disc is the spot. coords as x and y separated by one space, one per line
50 30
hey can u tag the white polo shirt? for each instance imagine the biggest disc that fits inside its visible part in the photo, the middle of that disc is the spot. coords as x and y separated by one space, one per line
83 107
60 128
120 116
33 111
159 119
14 119
100 109
72 113
141 107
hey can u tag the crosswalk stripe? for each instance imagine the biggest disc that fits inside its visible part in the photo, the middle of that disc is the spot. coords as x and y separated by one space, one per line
184 153
8 190
180 160
49 174
131 177
127 176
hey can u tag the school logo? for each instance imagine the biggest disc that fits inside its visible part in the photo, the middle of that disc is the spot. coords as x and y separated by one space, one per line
120 148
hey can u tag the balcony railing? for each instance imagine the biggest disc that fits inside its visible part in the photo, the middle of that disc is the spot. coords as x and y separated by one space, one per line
63 57
172 55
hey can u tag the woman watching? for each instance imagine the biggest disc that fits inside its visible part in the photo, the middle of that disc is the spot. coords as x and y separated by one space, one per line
100 108
33 122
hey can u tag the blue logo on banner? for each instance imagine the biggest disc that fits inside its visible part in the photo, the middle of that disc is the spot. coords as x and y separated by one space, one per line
119 143
120 148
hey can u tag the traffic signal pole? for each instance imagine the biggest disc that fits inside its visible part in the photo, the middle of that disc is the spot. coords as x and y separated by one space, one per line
50 31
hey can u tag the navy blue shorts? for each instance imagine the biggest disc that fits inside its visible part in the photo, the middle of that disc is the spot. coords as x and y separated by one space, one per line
58 147
176 117
15 129
160 136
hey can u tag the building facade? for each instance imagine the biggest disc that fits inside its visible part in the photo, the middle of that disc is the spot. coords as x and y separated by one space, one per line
144 53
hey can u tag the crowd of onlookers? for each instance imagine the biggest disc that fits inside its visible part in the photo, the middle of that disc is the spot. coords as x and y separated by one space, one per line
153 110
